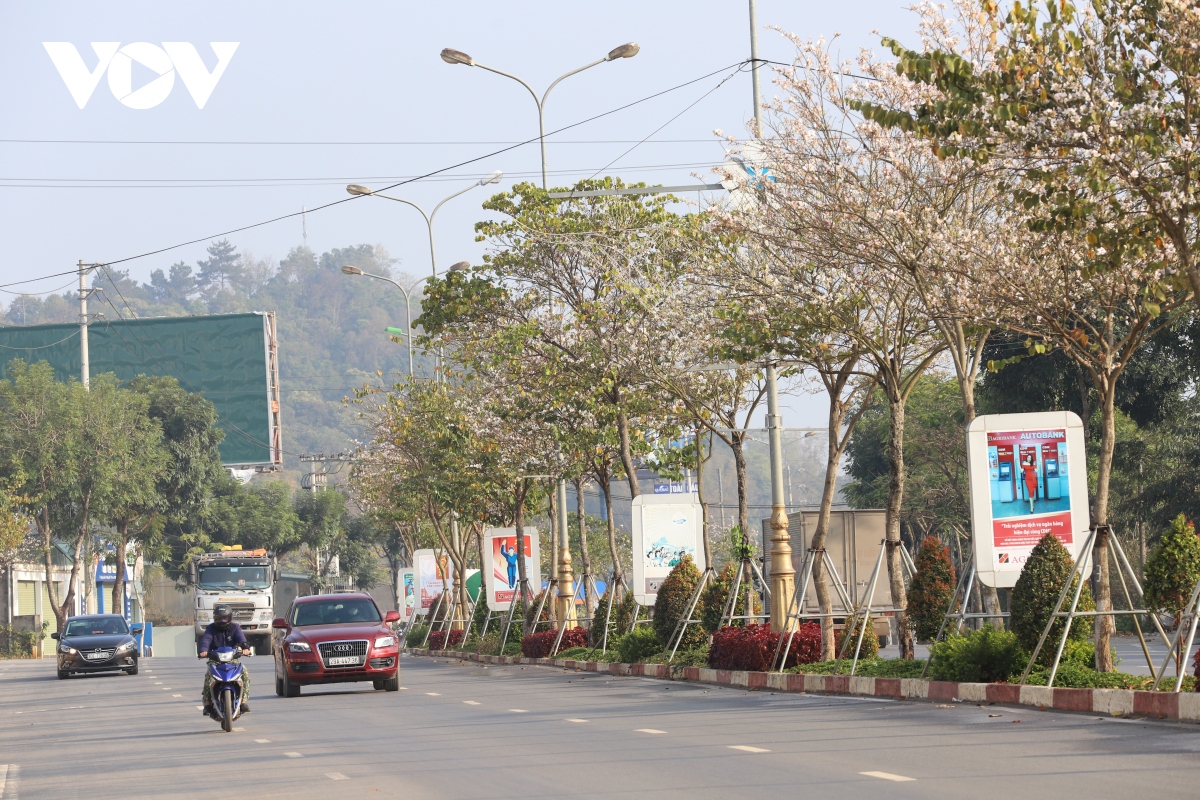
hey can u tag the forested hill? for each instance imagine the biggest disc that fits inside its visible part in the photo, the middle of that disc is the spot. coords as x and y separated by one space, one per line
331 326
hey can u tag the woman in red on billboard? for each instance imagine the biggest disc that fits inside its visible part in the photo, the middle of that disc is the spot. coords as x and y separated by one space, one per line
1029 467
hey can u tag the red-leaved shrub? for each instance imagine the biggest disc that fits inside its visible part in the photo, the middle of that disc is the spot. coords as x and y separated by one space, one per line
753 647
437 639
539 645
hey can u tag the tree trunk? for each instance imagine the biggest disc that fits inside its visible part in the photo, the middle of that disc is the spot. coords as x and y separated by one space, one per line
118 592
519 523
585 557
895 499
703 505
627 454
618 578
737 445
1103 626
821 534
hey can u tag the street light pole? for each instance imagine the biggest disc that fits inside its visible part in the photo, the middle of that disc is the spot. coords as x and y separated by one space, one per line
85 375
566 576
451 56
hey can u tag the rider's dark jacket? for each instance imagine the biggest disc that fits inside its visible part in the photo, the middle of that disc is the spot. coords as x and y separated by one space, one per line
213 638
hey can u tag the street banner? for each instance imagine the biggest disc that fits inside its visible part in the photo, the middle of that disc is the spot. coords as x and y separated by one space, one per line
501 580
1028 477
433 577
408 592
665 529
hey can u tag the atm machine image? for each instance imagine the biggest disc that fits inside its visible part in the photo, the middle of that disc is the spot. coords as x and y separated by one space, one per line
1008 491
994 472
1050 471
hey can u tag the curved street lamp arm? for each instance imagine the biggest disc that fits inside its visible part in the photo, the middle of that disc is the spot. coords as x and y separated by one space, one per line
562 78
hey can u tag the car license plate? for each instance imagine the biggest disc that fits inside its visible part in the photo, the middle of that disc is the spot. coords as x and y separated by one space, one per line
96 656
342 661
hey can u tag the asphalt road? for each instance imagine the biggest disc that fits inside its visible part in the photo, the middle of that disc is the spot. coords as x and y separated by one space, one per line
465 730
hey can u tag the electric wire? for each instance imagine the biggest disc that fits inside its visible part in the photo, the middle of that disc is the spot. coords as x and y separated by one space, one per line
421 177
40 346
44 277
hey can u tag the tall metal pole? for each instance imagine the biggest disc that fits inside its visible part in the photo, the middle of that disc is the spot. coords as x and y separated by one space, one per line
754 70
783 574
84 366
566 577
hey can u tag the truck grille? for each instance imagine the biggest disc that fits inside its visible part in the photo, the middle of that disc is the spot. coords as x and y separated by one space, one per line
356 648
242 612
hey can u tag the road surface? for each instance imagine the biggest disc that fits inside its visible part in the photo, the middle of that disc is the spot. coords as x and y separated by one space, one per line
468 730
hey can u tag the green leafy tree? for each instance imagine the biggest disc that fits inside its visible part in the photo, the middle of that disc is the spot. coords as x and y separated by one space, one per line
671 603
1037 590
931 590
1172 571
716 595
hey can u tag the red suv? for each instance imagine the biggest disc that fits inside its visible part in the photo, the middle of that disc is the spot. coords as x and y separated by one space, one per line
335 638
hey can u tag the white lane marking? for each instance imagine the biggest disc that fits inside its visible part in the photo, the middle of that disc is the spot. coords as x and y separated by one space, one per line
239 729
166 688
518 711
434 694
158 683
747 748
3 778
294 755
471 702
648 730
887 776
179 695
263 741
336 776
571 719
8 780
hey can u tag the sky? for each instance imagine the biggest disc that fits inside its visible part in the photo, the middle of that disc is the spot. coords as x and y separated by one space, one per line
319 95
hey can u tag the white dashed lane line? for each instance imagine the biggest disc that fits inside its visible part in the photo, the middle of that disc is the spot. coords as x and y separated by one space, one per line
887 776
434 694
518 711
263 741
294 755
648 730
569 719
745 748
336 776
471 702
179 695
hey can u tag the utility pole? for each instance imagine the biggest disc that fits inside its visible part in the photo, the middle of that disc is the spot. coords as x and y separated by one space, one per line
566 576
84 367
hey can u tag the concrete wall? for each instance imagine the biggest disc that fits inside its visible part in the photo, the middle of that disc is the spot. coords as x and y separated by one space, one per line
174 642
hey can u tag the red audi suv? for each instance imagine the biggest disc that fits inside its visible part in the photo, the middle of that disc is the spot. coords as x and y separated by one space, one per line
335 638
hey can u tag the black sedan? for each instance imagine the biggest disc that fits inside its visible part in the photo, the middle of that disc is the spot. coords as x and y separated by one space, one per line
97 643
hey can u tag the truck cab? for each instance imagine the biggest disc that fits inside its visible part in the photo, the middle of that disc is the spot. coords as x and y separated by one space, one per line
243 579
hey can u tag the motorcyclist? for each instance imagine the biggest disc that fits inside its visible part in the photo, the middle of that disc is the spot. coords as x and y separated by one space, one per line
223 632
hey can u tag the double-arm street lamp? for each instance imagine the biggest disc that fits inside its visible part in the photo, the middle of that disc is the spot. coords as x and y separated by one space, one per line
628 50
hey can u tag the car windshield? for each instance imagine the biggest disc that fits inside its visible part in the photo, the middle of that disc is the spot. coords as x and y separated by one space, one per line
335 612
234 577
97 626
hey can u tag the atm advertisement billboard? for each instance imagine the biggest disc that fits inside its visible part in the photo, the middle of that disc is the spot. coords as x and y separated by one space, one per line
1028 478
665 529
502 579
408 592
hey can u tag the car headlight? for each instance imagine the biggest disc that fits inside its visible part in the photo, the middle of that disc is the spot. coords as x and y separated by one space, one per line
127 646
299 647
66 648
385 641
266 613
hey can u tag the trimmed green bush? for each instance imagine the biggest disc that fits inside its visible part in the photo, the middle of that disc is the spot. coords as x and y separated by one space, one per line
415 635
716 594
637 645
988 655
870 642
671 603
1173 568
481 614
872 668
1037 591
932 589
531 611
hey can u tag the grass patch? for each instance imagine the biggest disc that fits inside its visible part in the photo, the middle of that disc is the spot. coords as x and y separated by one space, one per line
868 668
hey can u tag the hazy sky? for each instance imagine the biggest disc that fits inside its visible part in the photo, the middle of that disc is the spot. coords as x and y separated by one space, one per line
327 75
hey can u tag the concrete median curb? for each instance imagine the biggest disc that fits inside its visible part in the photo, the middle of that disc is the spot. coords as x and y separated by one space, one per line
1182 706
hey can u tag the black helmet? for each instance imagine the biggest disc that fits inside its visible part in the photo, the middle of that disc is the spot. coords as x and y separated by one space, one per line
223 616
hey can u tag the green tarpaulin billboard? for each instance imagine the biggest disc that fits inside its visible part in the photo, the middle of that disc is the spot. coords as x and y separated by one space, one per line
228 358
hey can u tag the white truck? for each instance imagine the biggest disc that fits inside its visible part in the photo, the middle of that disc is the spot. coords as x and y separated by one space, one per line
243 579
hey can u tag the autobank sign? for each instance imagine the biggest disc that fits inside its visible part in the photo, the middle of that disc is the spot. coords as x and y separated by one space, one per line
162 62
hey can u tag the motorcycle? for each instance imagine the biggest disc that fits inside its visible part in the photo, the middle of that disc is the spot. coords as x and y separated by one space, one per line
227 676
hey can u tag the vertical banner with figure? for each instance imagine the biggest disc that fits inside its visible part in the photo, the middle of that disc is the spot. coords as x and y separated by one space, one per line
665 529
433 577
501 579
1023 487
408 592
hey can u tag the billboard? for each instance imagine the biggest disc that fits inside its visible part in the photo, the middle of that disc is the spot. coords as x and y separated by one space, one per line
231 359
1028 477
501 579
408 592
665 529
433 574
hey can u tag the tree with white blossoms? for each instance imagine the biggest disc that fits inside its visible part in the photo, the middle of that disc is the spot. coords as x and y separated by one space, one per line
852 217
1098 307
